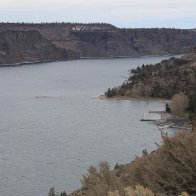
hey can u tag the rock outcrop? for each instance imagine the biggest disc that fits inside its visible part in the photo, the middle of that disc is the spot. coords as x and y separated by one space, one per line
18 47
134 42
105 40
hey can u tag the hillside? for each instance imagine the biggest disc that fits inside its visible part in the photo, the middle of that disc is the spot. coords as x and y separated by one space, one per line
28 46
169 170
105 40
161 80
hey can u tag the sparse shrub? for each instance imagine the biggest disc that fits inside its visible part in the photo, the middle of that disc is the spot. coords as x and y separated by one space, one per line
137 191
63 193
99 181
194 123
167 108
184 194
118 166
145 152
115 193
192 104
52 192
171 169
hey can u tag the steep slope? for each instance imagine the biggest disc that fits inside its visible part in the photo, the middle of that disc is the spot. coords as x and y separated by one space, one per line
134 42
27 46
105 40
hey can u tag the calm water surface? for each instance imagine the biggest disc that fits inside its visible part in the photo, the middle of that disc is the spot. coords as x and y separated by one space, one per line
51 128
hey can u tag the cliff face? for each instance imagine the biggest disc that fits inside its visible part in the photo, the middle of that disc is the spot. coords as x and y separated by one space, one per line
134 42
27 46
105 40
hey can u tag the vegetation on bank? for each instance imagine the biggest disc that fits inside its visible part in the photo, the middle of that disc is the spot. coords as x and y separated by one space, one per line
170 170
162 80
182 105
192 105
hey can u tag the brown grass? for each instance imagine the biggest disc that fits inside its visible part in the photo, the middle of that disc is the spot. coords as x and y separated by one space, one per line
137 191
99 181
170 170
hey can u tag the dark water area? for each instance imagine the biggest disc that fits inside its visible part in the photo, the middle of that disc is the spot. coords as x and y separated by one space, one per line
52 128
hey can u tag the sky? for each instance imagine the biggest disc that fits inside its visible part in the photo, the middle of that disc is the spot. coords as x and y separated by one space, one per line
121 13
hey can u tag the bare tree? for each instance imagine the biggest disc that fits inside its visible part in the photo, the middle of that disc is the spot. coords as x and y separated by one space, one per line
179 103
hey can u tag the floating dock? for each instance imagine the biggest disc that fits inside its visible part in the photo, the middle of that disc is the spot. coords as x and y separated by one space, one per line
148 119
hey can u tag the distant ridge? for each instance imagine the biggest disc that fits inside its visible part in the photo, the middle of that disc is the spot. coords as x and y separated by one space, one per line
103 40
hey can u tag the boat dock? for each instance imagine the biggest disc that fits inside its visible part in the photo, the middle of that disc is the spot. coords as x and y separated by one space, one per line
167 120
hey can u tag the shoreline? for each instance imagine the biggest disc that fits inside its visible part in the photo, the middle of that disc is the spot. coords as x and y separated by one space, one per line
33 62
103 97
140 56
24 63
18 64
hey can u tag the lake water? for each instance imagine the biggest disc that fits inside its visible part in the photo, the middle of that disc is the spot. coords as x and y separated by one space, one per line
51 128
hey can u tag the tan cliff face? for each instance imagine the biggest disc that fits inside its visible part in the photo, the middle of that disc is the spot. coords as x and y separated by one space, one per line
100 40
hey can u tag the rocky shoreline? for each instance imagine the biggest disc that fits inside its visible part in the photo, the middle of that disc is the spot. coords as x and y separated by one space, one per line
104 97
24 63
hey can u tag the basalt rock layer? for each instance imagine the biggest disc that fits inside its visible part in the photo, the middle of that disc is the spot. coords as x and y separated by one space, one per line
94 40
17 47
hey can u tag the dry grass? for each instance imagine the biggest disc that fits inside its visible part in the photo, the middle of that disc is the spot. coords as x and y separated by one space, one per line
99 181
184 194
137 191
170 170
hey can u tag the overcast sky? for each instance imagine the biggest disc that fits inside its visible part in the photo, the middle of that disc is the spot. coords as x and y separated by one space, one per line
121 13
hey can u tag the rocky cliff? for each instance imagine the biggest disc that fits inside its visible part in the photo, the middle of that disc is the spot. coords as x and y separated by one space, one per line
18 47
134 42
105 40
